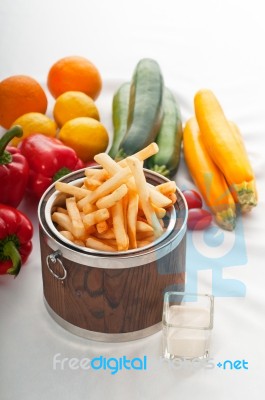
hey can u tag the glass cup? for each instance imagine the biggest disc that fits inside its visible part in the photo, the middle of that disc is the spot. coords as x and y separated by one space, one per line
187 325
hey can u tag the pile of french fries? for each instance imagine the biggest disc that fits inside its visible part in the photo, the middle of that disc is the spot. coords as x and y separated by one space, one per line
115 209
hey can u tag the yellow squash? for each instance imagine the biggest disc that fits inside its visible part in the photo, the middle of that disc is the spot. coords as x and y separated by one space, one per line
207 177
225 148
244 207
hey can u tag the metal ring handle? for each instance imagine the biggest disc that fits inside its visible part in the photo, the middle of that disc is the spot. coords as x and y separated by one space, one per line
54 258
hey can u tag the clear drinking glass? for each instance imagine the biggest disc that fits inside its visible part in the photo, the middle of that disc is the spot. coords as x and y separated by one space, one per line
187 325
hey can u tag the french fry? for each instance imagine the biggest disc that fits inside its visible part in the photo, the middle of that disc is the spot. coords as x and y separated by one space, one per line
115 209
140 218
125 201
157 198
143 227
110 242
118 227
68 235
79 242
92 183
96 244
62 210
107 187
89 208
160 212
145 235
142 243
90 230
99 174
166 187
113 168
60 228
107 163
96 217
109 234
111 199
143 154
73 212
70 189
102 227
132 210
109 222
172 197
138 173
63 220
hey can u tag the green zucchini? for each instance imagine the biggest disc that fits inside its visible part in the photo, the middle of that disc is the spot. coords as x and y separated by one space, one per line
169 139
120 109
145 108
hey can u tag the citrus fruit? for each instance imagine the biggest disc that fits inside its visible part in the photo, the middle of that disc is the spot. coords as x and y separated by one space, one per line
20 94
74 73
34 123
70 105
86 136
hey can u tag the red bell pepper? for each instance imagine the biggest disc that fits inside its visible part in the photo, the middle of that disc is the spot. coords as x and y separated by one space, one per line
16 232
49 159
14 170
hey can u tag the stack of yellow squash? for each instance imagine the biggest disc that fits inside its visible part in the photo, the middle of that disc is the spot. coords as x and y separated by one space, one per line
217 160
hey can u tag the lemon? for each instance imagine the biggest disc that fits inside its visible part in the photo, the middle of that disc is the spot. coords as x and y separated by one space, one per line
72 105
86 136
34 123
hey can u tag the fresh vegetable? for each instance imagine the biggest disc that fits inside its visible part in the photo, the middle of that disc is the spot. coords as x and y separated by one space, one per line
49 159
145 108
169 138
16 232
225 148
120 109
199 219
207 177
236 132
14 170
193 199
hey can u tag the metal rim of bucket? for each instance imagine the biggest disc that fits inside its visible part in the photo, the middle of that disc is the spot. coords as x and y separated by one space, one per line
116 259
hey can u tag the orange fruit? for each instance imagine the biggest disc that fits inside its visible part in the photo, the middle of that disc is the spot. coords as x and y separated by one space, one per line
34 123
74 73
20 94
86 136
70 105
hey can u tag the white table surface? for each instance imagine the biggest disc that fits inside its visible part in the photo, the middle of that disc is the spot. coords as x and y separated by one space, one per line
207 43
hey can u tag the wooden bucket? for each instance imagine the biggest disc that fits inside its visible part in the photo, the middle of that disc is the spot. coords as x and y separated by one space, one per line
110 297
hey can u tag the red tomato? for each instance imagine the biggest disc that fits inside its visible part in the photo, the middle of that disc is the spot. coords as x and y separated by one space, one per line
199 219
193 199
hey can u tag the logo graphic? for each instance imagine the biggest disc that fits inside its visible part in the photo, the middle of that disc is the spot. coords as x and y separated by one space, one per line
216 249
205 363
112 364
229 364
211 249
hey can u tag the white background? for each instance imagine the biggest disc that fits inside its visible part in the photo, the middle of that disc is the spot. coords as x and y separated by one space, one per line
206 43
